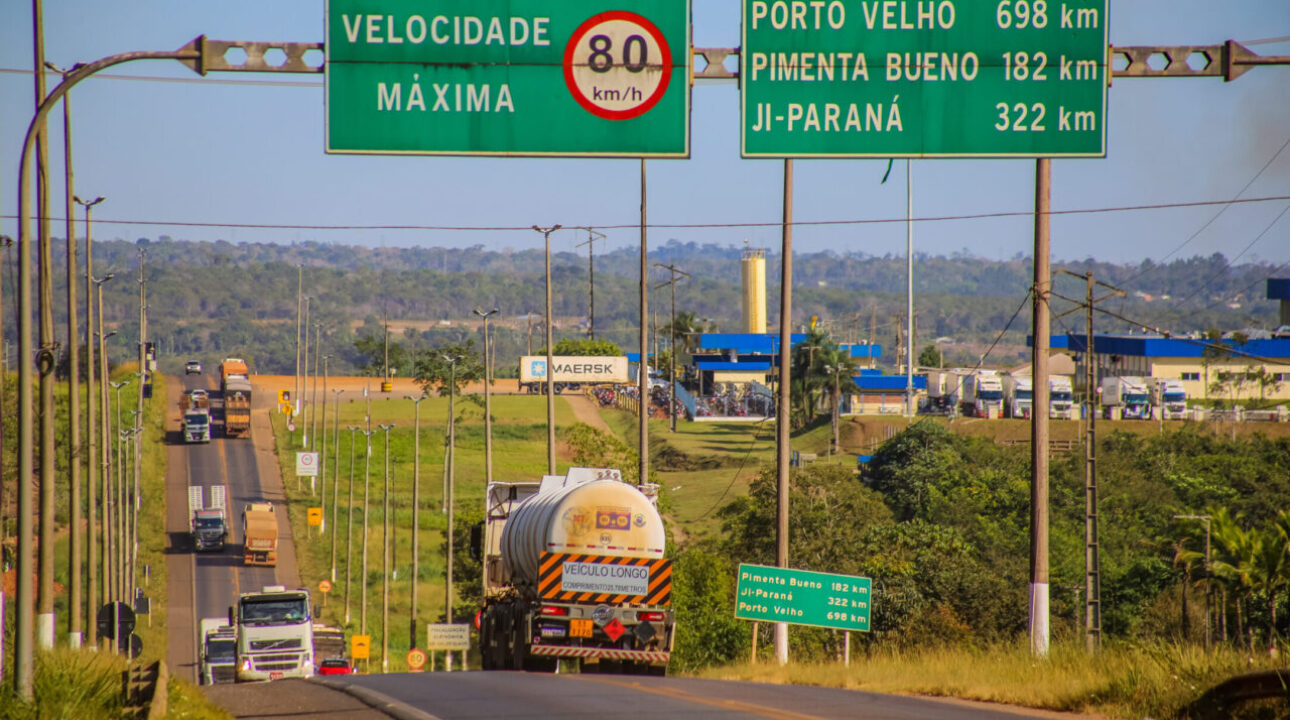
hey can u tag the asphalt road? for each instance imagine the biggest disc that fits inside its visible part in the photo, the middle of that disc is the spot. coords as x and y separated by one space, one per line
203 585
520 696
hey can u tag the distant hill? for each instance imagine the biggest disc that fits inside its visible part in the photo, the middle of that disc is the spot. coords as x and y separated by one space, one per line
211 299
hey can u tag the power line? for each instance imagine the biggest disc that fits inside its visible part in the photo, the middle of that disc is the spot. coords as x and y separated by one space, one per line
1227 264
688 226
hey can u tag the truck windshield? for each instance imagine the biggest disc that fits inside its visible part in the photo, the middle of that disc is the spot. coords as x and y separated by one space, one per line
221 651
197 419
1135 398
275 610
1062 396
1175 397
209 523
1023 395
990 394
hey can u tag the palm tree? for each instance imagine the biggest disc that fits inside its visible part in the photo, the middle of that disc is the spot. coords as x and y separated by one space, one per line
1233 564
1271 566
1186 559
838 364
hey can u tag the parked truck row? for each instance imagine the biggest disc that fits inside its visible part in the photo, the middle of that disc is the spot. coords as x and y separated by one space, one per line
990 394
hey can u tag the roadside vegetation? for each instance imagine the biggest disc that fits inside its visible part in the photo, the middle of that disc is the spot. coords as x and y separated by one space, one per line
939 519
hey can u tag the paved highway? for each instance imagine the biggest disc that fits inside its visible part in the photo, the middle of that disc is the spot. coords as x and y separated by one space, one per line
476 695
205 584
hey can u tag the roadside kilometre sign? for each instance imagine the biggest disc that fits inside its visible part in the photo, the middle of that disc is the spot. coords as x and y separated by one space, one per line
508 77
924 78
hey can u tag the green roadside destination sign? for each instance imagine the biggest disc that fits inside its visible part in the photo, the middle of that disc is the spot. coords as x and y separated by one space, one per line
924 78
508 77
803 597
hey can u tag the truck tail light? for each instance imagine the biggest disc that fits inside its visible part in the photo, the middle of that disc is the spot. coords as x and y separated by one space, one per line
652 616
550 610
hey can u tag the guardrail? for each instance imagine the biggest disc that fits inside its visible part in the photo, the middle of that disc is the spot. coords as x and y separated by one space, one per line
145 690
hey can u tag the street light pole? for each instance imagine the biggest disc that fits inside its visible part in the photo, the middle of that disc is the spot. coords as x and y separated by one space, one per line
386 547
367 486
335 482
416 507
322 456
349 526
550 373
488 405
91 438
118 534
452 483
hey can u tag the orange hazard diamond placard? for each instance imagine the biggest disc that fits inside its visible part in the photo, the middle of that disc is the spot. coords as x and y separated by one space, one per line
615 629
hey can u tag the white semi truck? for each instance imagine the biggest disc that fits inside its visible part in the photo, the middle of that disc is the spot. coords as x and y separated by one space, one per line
209 523
1169 397
217 651
1126 396
1061 398
574 569
275 636
983 395
1018 395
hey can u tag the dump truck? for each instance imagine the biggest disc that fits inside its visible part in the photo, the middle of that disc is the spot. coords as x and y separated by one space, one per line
1018 395
237 407
983 395
217 652
574 569
209 522
260 534
1170 398
1126 397
233 368
274 634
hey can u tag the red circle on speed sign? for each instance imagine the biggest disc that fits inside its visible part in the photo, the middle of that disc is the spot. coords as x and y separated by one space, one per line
617 65
416 659
324 586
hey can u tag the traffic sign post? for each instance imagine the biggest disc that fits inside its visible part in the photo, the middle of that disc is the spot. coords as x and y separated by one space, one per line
520 77
307 464
878 78
417 659
803 597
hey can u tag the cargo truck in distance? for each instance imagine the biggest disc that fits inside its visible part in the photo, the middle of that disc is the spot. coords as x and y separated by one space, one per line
983 395
235 384
217 652
209 522
260 534
1061 398
1169 398
274 634
574 569
1018 395
1126 397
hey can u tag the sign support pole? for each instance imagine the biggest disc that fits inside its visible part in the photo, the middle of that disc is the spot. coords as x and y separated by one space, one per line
642 368
782 436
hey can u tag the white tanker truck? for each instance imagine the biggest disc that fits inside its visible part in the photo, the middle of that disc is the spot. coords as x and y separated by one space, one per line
574 568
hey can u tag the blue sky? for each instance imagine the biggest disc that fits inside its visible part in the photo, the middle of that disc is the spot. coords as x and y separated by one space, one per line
233 148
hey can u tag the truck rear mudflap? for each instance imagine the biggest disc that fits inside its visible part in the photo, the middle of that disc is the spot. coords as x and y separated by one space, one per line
656 657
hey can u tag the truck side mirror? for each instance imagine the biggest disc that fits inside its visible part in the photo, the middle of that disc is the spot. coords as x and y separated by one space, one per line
230 617
477 541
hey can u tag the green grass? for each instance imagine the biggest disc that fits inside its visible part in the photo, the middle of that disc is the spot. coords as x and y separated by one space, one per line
1121 681
519 454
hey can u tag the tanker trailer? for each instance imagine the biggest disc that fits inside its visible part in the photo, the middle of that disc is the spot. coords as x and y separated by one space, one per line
574 568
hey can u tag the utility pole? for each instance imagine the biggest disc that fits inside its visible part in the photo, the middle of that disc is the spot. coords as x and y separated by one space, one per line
386 548
322 456
1040 322
295 404
642 376
550 369
592 237
452 481
349 525
671 343
1092 559
367 487
75 444
145 379
304 380
313 398
416 508
91 435
335 481
782 428
488 404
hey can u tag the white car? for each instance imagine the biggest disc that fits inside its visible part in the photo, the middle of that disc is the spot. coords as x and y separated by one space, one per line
193 368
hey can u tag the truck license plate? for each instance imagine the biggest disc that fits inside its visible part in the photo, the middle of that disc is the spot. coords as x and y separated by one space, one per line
275 676
580 628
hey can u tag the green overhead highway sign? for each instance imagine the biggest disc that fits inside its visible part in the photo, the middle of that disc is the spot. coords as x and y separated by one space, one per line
508 77
924 78
803 597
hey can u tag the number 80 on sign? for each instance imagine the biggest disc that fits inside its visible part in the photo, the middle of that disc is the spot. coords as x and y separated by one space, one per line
617 65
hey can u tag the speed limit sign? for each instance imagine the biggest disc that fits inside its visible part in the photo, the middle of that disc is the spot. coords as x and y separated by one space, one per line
617 64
